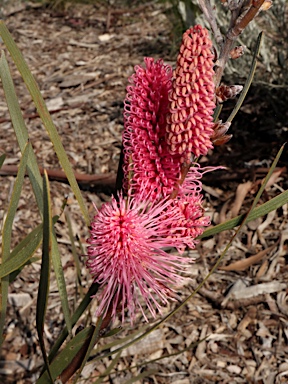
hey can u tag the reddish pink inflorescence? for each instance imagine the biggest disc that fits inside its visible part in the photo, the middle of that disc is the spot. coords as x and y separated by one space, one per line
126 253
163 125
190 122
126 256
146 155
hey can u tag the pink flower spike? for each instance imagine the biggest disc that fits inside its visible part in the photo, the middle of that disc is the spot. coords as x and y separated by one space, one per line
146 155
126 256
190 123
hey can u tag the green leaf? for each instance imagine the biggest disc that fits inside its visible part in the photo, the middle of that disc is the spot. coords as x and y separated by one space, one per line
75 317
22 253
44 282
112 332
7 234
94 338
22 135
21 130
44 115
66 356
15 273
8 223
254 213
243 222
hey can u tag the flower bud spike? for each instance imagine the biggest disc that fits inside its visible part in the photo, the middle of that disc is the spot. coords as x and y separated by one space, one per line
194 92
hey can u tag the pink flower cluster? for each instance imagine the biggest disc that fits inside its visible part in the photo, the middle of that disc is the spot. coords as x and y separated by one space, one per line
146 154
131 237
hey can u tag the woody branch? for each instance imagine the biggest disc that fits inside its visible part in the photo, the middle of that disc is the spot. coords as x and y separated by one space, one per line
240 18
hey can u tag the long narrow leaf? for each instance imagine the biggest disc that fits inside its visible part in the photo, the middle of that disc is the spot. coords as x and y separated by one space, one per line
22 253
14 200
36 181
15 273
44 282
263 185
94 338
75 317
264 209
7 233
44 115
244 221
67 355
21 130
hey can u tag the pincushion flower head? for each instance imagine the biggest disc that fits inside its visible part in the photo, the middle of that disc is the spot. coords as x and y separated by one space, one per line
190 122
126 254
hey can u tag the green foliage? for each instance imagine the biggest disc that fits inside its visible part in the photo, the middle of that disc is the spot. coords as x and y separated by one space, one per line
67 355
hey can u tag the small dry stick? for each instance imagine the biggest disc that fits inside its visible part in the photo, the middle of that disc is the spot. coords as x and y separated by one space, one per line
240 18
209 13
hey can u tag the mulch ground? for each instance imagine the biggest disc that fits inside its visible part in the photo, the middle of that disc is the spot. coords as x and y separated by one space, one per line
81 58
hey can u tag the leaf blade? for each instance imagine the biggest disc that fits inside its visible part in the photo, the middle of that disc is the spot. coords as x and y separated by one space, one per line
44 281
7 234
63 359
22 252
20 130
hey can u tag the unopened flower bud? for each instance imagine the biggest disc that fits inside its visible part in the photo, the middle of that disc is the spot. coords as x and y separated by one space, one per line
225 92
266 5
220 129
237 52
222 140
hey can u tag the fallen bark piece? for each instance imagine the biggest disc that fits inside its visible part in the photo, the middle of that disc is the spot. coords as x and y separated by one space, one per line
241 265
259 289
